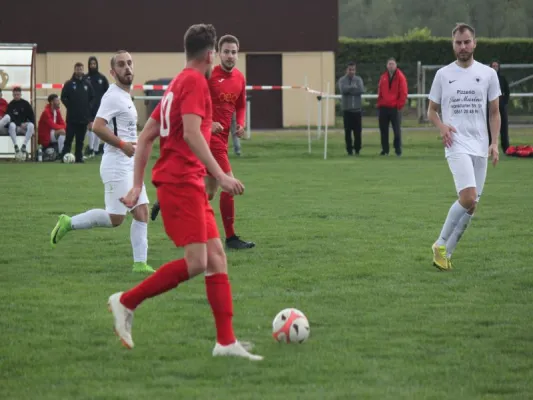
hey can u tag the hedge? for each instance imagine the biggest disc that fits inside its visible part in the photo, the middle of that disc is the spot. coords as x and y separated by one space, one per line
432 50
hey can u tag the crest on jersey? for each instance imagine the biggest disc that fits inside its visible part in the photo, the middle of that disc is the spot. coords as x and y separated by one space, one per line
85 87
100 81
478 79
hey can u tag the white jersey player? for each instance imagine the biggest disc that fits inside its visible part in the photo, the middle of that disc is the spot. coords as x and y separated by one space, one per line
116 125
462 91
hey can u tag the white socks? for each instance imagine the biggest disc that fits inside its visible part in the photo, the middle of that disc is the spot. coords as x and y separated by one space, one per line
457 233
60 143
89 136
30 128
95 142
139 240
12 129
91 219
454 215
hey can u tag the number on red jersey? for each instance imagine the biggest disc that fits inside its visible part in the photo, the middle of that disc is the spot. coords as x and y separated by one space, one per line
166 104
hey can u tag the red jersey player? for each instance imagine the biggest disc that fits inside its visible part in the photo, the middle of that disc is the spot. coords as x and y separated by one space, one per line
184 119
228 94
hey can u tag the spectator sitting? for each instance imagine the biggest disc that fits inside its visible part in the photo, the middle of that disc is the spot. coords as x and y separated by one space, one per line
51 125
22 120
5 119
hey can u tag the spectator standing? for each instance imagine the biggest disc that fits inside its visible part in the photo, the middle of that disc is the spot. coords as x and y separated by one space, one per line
77 96
392 96
100 85
504 101
351 88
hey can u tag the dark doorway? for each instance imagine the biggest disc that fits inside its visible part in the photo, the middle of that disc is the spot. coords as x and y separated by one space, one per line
266 105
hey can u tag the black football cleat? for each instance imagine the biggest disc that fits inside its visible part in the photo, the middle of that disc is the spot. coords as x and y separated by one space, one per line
155 211
236 243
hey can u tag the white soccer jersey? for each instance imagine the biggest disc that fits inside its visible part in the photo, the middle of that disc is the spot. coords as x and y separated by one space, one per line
463 94
118 110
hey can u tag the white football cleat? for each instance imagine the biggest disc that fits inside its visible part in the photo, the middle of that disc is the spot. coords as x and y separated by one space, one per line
123 319
235 350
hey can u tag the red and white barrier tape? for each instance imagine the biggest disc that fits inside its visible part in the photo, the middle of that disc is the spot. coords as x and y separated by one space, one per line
152 87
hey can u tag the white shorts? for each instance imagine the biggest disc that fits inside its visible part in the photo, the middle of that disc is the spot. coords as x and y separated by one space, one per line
53 136
468 171
115 189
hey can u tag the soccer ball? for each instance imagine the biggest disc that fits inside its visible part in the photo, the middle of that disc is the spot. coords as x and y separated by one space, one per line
69 158
290 326
20 157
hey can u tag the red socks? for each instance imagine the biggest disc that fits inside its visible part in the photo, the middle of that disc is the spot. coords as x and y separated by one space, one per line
167 277
173 273
227 211
219 296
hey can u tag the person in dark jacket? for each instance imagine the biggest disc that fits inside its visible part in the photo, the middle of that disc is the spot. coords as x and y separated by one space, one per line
22 121
351 88
392 96
77 96
100 85
504 101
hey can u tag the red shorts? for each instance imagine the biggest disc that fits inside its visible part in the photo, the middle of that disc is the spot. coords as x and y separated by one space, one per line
222 159
187 215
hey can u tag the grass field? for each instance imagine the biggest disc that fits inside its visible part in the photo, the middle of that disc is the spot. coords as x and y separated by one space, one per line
345 240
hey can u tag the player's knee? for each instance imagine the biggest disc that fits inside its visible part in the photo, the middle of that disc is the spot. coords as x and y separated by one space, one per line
196 262
216 258
468 198
140 213
116 220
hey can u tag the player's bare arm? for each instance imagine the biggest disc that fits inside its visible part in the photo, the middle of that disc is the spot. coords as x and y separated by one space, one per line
144 148
104 133
495 125
446 131
192 135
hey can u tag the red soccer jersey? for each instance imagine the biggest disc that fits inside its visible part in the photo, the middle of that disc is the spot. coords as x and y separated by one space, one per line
188 93
3 107
228 93
47 122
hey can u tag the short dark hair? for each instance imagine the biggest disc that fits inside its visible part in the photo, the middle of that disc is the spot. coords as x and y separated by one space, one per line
228 39
17 89
198 39
114 58
391 59
52 97
461 27
350 64
78 64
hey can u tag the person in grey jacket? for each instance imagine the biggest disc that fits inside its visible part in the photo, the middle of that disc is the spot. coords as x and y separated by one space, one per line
351 88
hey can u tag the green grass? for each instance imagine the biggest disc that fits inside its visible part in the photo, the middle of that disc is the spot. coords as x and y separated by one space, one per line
345 240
